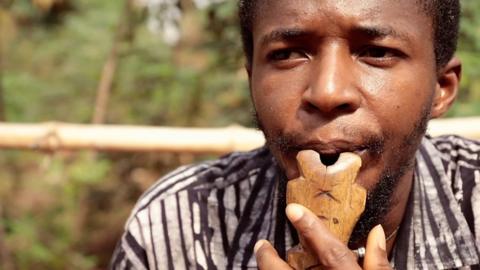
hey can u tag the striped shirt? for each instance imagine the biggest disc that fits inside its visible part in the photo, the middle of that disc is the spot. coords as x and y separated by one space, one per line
209 215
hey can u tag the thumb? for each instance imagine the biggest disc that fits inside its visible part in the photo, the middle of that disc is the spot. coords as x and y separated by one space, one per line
376 256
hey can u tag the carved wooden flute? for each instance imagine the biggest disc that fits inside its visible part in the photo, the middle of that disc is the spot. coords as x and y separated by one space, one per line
331 193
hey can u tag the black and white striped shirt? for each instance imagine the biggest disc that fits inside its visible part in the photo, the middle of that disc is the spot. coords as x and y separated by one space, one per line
209 216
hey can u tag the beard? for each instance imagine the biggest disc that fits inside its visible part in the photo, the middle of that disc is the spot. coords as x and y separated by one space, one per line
379 198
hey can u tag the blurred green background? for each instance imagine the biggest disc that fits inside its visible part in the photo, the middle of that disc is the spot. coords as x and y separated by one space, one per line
66 210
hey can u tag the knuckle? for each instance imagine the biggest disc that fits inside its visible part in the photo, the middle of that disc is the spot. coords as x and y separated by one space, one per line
335 256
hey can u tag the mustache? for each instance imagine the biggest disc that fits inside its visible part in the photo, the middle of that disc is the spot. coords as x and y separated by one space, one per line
294 142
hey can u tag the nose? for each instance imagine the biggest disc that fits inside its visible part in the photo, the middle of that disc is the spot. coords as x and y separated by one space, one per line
332 89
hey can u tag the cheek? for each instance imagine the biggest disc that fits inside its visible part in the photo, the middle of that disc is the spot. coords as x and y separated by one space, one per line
277 97
398 101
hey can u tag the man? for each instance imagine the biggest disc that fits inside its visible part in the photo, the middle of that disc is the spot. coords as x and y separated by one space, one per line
332 76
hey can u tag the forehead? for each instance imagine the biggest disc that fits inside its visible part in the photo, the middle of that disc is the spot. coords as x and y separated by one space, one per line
405 17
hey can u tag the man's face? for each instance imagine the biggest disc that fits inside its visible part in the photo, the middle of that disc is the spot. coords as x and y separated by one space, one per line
336 76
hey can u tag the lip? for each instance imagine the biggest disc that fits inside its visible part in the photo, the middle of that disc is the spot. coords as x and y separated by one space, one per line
335 147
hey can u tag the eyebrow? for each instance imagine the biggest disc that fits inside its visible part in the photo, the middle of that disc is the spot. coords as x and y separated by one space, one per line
283 34
379 32
370 32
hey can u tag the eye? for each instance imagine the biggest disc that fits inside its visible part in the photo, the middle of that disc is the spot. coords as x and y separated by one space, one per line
377 52
283 54
380 56
286 58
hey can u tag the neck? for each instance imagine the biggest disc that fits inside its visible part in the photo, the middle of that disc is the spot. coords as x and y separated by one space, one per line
394 217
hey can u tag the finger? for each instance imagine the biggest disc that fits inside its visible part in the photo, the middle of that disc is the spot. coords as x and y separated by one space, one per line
330 251
267 257
376 256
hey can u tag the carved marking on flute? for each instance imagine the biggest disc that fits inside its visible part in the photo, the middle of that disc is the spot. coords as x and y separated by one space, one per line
322 217
327 193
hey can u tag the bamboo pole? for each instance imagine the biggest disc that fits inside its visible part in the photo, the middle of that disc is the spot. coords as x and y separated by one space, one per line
467 127
63 136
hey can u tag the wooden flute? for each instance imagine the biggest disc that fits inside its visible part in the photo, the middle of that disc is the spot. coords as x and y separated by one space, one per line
331 193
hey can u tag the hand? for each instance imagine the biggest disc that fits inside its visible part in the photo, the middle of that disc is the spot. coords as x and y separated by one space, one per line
331 252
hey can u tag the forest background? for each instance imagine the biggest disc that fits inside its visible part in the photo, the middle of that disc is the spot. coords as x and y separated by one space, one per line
179 64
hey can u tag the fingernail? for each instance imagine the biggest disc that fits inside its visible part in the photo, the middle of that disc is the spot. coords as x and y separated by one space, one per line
294 212
258 245
381 242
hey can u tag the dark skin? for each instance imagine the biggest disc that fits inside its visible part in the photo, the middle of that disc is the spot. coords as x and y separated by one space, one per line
332 74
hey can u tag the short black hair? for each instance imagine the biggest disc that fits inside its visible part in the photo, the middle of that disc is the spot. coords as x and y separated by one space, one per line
445 20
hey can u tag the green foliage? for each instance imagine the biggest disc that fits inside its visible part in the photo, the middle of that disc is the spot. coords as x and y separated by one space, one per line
89 170
58 65
468 102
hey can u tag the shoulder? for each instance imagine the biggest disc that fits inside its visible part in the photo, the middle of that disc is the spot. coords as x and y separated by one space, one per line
460 162
167 212
201 178
465 152
460 158
214 174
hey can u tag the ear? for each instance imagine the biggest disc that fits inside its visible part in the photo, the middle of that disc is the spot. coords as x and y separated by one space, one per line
448 82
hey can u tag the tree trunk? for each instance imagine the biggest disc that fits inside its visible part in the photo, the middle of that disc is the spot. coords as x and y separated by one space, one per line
2 100
3 9
123 32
